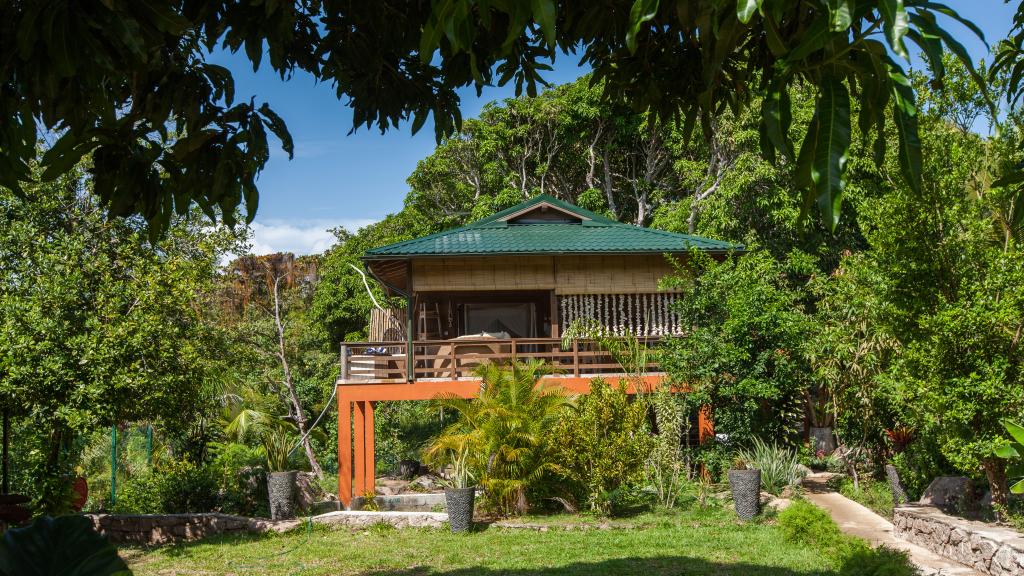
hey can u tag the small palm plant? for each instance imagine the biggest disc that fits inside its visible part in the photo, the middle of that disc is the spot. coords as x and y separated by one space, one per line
1014 451
499 437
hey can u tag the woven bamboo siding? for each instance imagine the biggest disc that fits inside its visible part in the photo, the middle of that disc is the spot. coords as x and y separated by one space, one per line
639 314
611 274
387 325
479 274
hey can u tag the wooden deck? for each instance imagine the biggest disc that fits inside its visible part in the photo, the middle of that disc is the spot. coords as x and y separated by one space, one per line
386 362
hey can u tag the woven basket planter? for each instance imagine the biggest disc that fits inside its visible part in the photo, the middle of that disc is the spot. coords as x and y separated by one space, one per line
281 490
459 502
746 492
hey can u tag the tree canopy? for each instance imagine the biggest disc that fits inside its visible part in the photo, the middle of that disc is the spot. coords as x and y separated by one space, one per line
129 82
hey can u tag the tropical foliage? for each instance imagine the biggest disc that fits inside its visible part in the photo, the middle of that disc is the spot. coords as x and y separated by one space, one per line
504 433
94 92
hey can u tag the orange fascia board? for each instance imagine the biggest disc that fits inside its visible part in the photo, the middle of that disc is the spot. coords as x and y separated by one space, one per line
467 388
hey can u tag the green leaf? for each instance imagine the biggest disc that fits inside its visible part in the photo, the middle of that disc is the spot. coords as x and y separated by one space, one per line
279 129
62 545
1016 430
840 14
642 11
777 115
1018 488
833 144
894 16
905 119
814 39
1007 451
745 9
544 14
64 154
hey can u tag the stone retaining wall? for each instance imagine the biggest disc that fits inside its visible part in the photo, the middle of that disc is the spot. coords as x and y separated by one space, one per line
426 502
984 547
360 519
165 528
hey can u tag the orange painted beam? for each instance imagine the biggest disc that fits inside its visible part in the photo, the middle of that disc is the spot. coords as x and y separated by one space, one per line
344 451
360 452
370 481
470 388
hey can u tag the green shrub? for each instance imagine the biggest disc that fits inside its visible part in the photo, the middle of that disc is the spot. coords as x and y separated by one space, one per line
174 487
859 559
600 445
140 494
241 479
806 524
872 493
780 467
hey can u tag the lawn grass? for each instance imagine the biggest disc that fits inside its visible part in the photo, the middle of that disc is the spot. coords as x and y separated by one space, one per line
688 542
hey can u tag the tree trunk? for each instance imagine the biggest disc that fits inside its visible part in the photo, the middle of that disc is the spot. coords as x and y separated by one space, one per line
300 415
995 472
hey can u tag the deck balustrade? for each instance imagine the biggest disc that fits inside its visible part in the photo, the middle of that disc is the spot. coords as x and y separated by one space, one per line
386 362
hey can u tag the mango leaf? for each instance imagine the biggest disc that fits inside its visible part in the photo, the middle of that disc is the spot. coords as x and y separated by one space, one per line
894 17
745 9
833 144
1008 451
1018 488
62 545
905 119
642 11
840 14
544 14
777 115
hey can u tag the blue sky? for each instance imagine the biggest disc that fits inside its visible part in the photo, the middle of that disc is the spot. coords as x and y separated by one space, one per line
350 180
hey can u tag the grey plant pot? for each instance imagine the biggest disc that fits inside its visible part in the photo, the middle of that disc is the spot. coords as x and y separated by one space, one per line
459 502
822 439
281 490
746 492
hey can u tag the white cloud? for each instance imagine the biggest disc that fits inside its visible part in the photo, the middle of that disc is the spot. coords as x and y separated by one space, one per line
299 237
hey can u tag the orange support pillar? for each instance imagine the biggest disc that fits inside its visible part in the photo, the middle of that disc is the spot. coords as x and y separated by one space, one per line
705 424
370 480
360 437
344 451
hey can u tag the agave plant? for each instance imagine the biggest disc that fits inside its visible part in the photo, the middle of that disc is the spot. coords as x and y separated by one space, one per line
499 437
1014 451
779 466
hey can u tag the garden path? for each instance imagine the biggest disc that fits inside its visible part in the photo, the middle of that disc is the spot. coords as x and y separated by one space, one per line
858 520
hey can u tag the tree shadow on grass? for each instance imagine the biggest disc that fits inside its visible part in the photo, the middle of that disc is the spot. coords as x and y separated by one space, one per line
649 566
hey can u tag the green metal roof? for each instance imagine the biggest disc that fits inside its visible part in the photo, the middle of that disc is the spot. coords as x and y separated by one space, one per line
595 234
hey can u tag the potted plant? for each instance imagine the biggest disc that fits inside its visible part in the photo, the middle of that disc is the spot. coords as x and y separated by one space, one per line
822 439
460 493
280 479
745 483
278 437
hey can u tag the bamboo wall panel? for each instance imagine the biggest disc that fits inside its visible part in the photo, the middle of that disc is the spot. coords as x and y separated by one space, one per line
609 274
639 314
387 325
478 274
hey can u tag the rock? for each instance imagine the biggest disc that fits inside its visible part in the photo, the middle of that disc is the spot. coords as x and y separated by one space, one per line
948 492
425 483
779 504
308 491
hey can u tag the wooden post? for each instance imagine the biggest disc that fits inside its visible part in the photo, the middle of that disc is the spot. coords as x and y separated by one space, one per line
344 451
554 316
575 358
705 424
360 451
345 369
514 350
454 359
370 480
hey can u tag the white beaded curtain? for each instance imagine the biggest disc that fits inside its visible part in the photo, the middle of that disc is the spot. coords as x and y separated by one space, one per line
639 314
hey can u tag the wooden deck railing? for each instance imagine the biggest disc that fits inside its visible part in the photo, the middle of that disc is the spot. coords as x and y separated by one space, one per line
452 359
